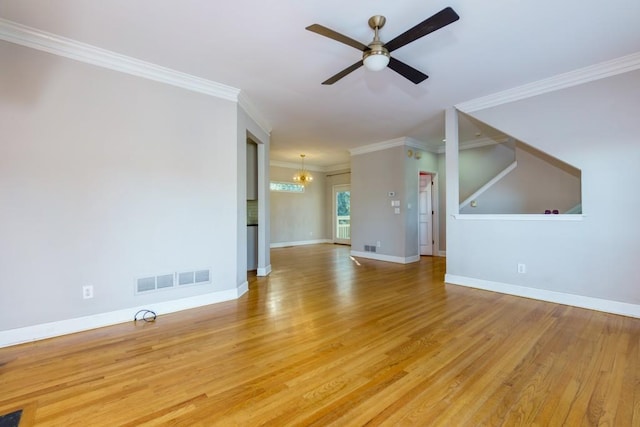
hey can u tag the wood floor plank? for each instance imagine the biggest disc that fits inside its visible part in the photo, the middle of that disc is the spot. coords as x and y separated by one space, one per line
325 340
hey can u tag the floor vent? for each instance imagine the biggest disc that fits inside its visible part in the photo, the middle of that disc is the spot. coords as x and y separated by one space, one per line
173 280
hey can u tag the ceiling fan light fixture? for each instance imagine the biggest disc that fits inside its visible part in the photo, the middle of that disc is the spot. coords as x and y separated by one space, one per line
376 59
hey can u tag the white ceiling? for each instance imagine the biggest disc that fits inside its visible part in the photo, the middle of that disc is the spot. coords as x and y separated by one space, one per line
262 48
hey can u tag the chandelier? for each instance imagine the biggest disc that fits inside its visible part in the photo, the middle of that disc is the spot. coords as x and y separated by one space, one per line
302 176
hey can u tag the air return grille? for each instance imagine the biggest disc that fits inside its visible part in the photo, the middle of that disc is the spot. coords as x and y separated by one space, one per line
173 280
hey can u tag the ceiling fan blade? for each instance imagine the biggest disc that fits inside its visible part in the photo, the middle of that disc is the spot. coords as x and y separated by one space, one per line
441 19
343 73
407 71
327 32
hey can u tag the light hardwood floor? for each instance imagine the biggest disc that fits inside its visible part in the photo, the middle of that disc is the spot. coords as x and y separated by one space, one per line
326 340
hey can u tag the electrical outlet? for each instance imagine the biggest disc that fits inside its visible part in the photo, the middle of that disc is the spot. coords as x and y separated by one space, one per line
378 244
522 268
87 292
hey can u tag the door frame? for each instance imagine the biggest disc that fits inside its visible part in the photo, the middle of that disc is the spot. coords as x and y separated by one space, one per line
335 189
435 207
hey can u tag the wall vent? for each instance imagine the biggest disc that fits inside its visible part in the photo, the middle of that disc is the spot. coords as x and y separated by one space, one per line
165 281
146 284
173 280
369 248
203 276
185 278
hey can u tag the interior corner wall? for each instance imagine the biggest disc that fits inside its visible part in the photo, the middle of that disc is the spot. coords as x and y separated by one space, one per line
106 178
595 127
298 218
373 176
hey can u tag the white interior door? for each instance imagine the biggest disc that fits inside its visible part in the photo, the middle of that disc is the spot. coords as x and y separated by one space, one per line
425 215
342 214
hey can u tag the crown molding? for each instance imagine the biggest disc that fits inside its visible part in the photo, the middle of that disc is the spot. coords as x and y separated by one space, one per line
245 103
41 40
397 142
379 146
291 165
476 143
338 167
414 143
572 78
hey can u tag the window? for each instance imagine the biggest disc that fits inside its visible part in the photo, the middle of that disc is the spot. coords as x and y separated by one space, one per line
286 187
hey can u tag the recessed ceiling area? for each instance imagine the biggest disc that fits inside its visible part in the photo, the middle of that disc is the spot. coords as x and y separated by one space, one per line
263 49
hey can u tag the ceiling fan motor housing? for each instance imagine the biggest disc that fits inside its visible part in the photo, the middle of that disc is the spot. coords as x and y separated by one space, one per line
377 56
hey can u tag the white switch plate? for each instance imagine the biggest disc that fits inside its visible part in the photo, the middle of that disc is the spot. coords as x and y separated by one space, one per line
397 210
87 292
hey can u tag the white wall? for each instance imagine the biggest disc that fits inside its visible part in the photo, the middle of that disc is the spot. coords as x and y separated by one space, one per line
594 127
373 176
106 177
298 217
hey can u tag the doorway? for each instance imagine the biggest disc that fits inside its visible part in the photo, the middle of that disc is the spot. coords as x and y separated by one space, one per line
341 214
425 215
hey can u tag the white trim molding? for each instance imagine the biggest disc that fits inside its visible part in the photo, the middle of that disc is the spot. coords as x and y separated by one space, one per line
263 271
378 146
387 258
572 78
607 306
520 217
245 103
338 167
300 243
313 168
296 166
397 142
79 324
442 254
62 46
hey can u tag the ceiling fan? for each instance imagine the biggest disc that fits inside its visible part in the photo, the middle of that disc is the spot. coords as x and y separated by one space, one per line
376 56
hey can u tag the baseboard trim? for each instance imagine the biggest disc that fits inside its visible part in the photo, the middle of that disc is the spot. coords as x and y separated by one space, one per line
598 304
263 271
242 289
299 243
387 258
69 326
